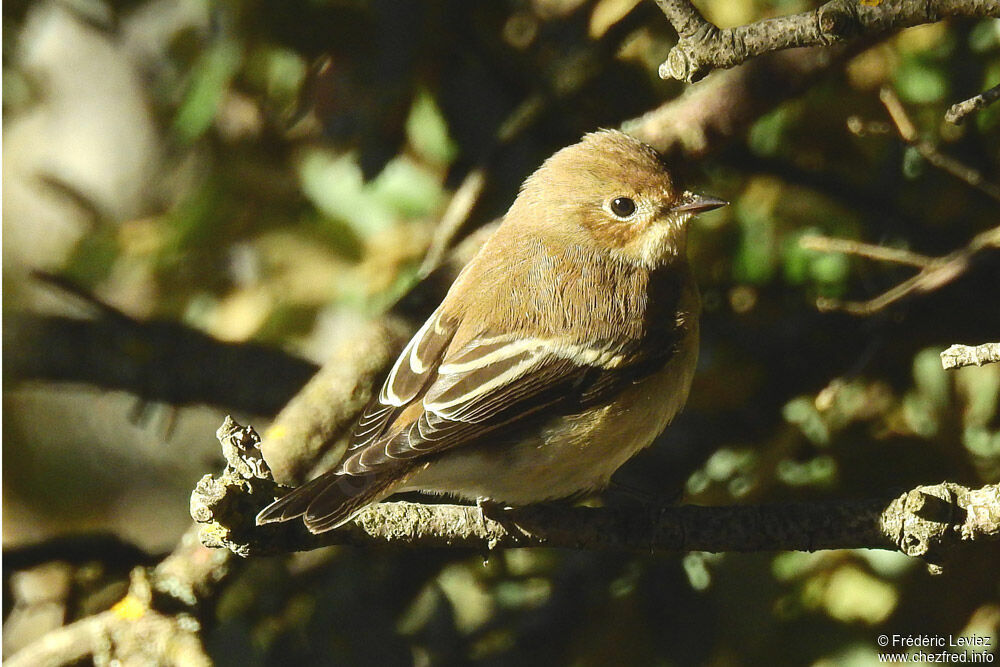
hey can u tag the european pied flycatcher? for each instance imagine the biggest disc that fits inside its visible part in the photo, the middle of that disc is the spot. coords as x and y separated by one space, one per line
563 348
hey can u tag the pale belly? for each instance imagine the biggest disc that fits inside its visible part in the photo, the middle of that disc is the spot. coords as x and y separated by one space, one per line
570 455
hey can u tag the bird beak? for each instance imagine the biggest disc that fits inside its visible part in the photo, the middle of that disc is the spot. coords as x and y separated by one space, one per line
694 203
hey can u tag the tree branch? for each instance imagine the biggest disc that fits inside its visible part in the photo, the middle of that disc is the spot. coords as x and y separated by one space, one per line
156 623
935 273
710 114
111 550
156 360
113 637
959 356
928 522
877 252
962 110
929 151
703 46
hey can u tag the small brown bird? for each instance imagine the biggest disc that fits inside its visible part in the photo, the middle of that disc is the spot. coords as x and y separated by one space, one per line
563 348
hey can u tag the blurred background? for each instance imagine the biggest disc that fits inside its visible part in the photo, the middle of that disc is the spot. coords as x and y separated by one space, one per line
201 198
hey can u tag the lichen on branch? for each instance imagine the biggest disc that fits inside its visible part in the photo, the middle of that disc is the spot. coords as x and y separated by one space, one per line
927 522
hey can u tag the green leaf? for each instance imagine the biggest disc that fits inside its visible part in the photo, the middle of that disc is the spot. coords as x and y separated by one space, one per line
756 260
427 131
209 82
920 83
336 186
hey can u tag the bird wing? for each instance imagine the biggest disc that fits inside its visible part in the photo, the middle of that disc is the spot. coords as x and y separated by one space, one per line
436 398
410 376
488 383
332 498
492 383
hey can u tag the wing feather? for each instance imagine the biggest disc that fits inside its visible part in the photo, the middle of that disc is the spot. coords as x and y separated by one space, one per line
485 385
436 398
410 375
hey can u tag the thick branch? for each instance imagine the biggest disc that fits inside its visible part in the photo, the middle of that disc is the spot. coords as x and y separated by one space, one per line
709 115
315 418
928 522
114 638
155 360
703 46
107 548
682 528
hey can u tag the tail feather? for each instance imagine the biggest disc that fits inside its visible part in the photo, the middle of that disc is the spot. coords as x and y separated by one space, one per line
331 500
339 502
294 503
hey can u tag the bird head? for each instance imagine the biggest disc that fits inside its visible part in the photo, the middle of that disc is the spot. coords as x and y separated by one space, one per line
613 194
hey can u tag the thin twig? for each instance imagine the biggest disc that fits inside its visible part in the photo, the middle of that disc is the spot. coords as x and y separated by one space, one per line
908 132
959 356
876 252
897 112
454 218
703 46
962 110
860 127
936 273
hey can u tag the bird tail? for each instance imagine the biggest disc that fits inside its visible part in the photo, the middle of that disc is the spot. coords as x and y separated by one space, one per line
330 500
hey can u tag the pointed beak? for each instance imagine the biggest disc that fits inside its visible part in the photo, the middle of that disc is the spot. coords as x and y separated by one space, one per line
695 203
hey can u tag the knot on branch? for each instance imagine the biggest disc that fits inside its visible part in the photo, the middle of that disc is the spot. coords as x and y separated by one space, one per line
931 522
226 506
837 21
687 61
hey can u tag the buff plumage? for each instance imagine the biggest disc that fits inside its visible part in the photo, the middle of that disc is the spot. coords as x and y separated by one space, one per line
564 347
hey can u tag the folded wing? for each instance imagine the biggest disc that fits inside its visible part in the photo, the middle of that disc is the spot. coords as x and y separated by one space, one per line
436 398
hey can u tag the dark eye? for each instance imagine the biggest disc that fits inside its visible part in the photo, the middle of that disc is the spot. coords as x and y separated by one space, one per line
623 207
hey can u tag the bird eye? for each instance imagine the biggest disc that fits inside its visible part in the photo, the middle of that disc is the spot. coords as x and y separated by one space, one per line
623 207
